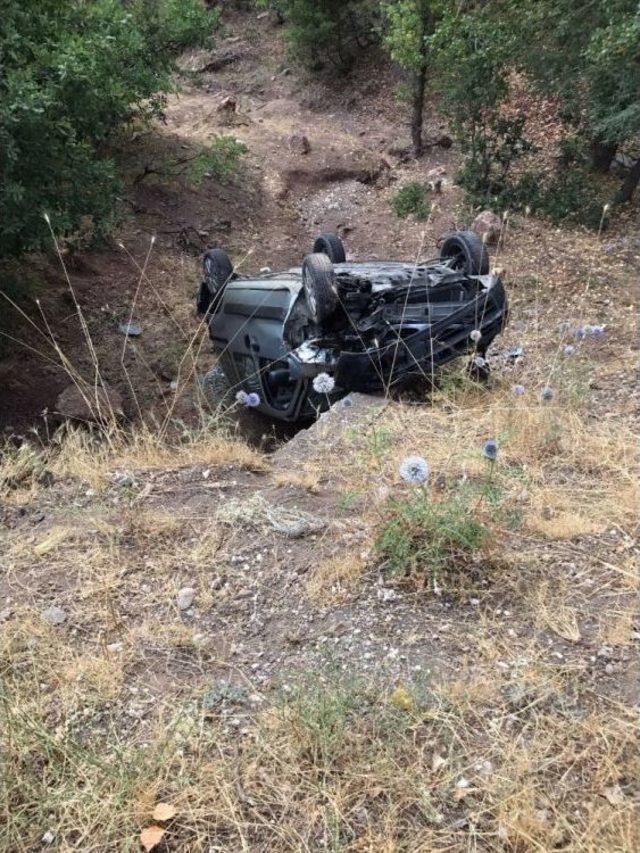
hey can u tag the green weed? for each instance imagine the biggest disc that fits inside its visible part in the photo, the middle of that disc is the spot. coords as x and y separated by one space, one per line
411 199
220 160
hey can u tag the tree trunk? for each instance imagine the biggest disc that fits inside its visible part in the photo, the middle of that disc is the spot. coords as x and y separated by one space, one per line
420 85
630 183
602 154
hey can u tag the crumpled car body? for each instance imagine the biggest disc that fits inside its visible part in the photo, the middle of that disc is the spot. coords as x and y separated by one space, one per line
392 322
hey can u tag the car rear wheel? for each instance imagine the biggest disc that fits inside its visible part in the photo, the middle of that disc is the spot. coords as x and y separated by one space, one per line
467 251
217 271
331 246
319 282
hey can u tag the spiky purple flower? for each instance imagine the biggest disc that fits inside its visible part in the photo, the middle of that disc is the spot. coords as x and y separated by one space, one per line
518 390
414 470
490 450
547 394
249 400
475 335
569 349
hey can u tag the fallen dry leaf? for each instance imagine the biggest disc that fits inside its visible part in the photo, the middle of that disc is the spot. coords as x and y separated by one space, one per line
461 793
151 837
614 795
164 811
437 762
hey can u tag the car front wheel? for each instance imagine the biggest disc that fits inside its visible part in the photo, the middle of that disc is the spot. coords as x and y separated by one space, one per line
217 270
467 251
319 282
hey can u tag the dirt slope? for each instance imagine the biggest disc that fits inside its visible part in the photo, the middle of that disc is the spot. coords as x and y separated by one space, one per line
491 707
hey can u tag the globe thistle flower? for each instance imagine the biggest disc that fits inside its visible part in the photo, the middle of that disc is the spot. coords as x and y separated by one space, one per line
597 331
569 349
323 383
479 361
475 335
249 400
580 333
414 470
518 390
490 450
547 394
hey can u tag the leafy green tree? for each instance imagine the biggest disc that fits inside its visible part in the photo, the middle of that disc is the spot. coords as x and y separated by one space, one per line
409 25
588 55
471 63
73 72
321 32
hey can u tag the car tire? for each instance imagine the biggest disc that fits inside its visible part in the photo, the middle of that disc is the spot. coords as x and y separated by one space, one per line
217 388
319 282
331 246
468 252
217 270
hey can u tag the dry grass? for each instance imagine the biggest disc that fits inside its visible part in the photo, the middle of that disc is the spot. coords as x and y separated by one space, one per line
307 480
335 579
339 766
524 740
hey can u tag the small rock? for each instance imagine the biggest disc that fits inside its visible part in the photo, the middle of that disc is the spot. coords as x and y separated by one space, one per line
488 225
130 330
609 669
228 105
299 143
126 480
386 595
54 615
185 597
49 837
114 648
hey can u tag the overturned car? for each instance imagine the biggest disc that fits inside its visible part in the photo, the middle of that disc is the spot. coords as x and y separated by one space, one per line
370 326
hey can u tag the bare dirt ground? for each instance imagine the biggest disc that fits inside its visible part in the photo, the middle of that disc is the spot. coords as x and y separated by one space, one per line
229 639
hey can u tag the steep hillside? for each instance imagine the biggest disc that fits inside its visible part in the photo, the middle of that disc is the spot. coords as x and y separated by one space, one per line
237 647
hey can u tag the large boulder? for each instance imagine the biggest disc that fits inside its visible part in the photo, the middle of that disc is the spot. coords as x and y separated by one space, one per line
89 404
488 223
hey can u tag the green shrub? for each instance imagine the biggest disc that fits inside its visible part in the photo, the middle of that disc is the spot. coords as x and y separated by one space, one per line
411 199
569 194
327 32
428 537
72 74
220 159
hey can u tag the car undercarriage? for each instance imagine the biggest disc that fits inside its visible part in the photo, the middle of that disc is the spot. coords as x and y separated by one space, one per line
371 327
